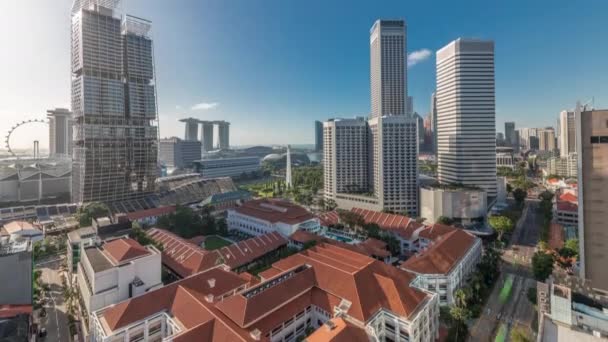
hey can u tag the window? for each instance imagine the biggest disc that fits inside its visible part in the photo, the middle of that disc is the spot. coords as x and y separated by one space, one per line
595 140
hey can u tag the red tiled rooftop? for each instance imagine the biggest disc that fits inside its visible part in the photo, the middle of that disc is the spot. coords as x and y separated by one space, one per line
568 197
323 276
442 255
137 215
436 230
124 249
274 210
399 224
342 331
186 258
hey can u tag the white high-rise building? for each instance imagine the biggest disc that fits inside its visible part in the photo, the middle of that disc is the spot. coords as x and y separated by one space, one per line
346 157
567 136
60 132
374 164
466 115
388 67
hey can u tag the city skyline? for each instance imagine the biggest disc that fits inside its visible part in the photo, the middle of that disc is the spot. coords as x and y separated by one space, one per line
266 91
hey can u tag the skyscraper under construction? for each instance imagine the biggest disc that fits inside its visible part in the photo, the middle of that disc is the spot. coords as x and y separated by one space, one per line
113 103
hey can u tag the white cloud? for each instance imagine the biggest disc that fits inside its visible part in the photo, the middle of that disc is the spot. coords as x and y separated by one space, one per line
205 105
178 107
418 56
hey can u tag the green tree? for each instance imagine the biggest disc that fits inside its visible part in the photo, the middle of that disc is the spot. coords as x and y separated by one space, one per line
372 229
140 236
445 220
519 195
542 265
572 246
351 219
330 204
222 227
501 224
91 211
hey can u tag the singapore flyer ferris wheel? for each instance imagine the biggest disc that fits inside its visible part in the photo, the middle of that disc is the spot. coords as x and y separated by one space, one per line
18 128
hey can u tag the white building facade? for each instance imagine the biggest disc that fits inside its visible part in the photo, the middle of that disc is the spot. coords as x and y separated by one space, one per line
103 280
466 114
446 284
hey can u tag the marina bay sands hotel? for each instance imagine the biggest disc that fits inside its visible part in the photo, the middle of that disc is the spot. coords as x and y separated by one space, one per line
206 137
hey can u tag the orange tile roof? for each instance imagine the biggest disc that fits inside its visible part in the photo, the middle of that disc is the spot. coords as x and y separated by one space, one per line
398 224
568 197
274 210
136 215
436 230
124 249
341 331
246 251
303 236
355 277
323 275
442 255
185 258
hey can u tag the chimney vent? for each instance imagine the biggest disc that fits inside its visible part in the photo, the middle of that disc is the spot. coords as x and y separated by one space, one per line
256 334
211 282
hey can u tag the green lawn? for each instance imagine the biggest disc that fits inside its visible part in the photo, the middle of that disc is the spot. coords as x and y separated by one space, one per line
215 242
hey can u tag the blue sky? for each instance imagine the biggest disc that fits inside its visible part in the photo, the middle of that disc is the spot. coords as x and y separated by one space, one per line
272 67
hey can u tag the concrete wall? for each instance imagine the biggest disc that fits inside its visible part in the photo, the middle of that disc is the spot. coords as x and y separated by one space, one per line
457 204
16 283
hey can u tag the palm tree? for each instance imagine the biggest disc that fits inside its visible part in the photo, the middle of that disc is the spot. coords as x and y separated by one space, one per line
460 298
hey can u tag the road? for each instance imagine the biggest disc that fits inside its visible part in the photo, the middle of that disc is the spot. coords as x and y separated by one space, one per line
56 321
516 310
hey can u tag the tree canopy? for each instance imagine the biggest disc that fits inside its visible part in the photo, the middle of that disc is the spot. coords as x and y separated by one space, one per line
542 265
519 195
91 211
501 224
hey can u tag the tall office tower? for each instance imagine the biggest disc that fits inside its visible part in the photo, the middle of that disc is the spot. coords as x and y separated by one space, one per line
60 132
567 125
345 157
546 139
466 133
510 134
378 166
388 67
318 136
529 138
500 139
420 127
434 121
114 103
191 133
223 132
410 105
592 150
207 135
